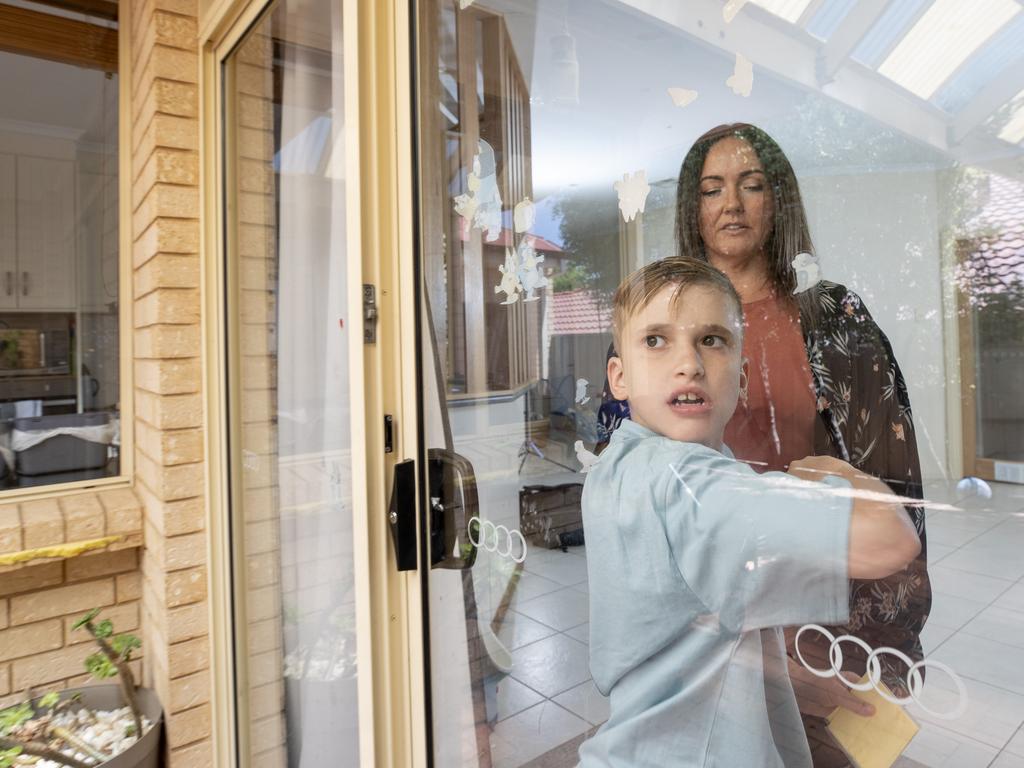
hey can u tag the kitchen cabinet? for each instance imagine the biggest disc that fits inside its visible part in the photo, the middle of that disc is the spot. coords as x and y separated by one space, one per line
8 231
44 278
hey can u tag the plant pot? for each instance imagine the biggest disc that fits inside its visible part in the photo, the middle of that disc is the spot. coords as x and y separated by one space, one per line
144 753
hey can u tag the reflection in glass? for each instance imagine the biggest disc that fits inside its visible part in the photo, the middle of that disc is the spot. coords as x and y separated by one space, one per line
288 391
910 179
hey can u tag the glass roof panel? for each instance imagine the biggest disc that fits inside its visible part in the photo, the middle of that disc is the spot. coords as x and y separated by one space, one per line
940 41
891 25
1003 52
790 10
826 21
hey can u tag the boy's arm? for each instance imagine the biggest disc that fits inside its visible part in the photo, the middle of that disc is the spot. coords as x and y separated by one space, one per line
882 537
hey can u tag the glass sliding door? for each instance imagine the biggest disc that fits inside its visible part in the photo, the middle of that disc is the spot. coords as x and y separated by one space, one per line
291 420
551 134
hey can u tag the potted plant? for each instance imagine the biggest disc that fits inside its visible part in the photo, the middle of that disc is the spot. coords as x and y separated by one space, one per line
114 726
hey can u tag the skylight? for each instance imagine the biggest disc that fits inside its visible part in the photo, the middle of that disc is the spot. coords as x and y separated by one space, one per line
790 10
941 41
1013 131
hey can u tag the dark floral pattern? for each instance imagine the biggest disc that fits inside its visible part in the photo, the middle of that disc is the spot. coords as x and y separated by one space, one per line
866 419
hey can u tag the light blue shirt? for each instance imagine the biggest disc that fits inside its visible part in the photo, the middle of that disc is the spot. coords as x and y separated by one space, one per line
694 562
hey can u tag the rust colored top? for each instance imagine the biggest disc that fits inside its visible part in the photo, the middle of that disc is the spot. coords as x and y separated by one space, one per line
776 425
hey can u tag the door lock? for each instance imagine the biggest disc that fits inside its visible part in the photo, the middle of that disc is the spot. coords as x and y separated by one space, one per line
369 314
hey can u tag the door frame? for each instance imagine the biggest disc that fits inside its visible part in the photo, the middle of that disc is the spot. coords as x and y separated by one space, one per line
379 212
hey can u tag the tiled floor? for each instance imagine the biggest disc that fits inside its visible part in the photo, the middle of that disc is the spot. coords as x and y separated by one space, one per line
976 562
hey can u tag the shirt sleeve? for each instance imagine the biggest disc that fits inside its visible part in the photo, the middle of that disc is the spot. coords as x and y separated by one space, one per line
759 550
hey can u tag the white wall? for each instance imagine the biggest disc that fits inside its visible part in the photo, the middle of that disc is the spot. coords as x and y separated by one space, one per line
879 234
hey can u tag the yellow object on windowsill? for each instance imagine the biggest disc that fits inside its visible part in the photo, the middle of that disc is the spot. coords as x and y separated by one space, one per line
876 741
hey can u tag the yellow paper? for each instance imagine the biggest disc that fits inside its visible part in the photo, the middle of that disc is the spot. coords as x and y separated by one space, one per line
876 741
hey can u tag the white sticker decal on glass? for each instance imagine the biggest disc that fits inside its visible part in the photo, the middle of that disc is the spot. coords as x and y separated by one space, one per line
633 190
509 284
808 272
481 206
682 97
524 215
742 79
531 277
585 457
582 398
731 9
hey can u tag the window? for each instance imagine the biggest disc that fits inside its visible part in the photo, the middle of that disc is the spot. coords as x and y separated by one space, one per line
59 300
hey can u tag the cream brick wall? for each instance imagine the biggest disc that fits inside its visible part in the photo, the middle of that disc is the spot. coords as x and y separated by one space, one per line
169 454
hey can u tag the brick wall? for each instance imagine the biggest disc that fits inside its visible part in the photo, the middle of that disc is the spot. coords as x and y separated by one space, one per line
169 468
43 592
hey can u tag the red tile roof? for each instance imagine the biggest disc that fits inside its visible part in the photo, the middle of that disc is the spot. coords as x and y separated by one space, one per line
506 238
580 311
997 263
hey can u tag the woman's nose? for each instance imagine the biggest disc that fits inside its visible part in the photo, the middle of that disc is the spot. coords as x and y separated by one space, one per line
733 200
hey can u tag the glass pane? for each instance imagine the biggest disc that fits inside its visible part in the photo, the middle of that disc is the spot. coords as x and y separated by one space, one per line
291 498
60 383
871 224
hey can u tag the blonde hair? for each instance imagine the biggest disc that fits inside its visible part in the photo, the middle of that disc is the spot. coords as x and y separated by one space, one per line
642 285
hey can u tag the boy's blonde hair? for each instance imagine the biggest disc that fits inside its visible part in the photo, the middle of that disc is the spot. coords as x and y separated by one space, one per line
640 286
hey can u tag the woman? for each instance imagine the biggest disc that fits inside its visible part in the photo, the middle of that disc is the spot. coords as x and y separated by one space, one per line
822 375
822 378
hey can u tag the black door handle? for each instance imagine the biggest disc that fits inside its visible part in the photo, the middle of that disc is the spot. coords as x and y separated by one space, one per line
402 514
454 510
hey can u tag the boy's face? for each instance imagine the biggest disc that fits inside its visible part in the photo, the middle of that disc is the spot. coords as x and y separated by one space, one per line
679 364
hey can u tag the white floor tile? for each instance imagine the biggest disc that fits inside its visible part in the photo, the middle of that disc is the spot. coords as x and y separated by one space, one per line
566 569
586 701
987 561
985 660
1007 760
530 585
581 633
973 586
1013 598
552 665
999 624
953 612
934 635
993 713
518 630
561 610
513 697
1016 744
938 551
533 732
937 748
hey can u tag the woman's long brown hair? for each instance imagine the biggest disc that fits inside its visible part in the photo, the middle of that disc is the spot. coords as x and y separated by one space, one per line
790 234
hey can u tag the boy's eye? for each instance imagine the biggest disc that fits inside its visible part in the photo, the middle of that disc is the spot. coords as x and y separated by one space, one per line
654 341
711 340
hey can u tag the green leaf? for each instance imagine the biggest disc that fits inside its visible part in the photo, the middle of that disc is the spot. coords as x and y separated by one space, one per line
124 644
7 756
12 717
86 619
99 666
105 628
49 701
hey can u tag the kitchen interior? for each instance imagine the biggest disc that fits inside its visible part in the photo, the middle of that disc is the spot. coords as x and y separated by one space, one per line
59 334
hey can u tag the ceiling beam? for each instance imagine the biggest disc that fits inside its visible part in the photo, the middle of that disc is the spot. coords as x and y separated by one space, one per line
988 100
101 9
844 40
56 38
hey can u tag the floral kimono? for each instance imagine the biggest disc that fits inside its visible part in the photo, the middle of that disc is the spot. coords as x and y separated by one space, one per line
866 420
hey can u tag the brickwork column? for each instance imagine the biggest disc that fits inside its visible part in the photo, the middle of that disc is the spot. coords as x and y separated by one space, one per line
169 468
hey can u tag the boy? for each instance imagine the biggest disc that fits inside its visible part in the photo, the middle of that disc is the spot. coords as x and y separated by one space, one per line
694 559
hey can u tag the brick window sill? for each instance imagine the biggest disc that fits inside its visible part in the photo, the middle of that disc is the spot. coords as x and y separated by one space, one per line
60 527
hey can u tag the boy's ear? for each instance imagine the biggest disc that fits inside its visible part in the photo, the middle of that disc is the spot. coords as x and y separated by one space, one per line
617 378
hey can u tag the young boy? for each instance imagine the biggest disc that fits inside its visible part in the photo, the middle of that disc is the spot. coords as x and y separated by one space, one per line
694 559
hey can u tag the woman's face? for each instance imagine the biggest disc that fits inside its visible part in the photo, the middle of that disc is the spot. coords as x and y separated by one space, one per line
736 203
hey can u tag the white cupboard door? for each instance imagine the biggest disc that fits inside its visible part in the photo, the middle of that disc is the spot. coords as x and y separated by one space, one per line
8 237
46 234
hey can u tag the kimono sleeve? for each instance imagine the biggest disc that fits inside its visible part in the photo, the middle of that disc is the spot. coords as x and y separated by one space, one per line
759 550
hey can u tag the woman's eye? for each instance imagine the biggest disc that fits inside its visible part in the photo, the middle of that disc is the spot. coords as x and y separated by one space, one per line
710 192
653 342
754 188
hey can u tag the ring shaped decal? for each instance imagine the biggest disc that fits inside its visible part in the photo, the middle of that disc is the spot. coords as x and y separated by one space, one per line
915 682
498 539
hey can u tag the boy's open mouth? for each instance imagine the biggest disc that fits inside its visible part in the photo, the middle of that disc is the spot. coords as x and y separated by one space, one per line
689 401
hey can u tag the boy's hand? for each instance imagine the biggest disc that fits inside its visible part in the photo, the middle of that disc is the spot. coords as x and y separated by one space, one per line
815 468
